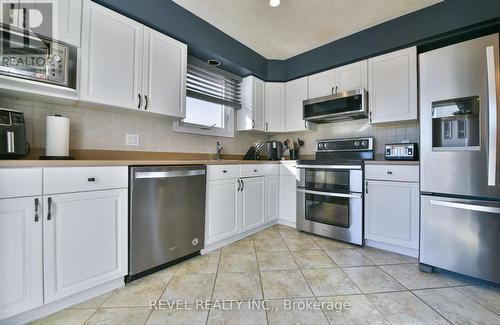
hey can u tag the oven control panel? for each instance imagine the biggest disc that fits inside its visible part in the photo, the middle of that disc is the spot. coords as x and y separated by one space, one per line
401 151
358 144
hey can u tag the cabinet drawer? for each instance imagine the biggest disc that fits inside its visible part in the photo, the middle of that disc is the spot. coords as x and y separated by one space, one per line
253 170
389 172
79 179
17 182
223 172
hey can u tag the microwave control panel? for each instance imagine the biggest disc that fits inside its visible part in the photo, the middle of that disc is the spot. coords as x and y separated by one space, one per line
401 151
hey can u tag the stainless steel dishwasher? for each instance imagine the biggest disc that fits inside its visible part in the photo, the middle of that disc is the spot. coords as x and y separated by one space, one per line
166 216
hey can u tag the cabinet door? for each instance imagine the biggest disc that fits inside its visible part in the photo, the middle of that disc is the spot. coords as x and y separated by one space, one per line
252 202
320 84
259 100
21 275
288 199
392 212
351 76
275 107
272 198
251 116
164 77
111 60
295 94
222 210
392 86
85 241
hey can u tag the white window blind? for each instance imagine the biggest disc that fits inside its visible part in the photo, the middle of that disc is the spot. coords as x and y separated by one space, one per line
211 84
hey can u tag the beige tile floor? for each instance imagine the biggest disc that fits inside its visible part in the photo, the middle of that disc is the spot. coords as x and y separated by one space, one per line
282 268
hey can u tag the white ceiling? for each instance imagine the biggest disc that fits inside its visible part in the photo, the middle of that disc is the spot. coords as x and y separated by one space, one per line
296 25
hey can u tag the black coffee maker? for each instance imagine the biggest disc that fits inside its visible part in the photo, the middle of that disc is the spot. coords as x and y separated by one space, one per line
12 134
274 150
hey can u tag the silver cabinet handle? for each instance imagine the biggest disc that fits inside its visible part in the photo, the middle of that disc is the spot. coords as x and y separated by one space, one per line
146 104
239 186
242 185
465 206
49 208
174 173
91 179
140 101
352 195
492 111
37 206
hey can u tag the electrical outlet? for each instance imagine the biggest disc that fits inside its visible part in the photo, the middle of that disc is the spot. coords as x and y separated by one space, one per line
132 140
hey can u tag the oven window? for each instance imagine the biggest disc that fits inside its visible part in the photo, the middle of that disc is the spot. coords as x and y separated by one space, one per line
327 180
327 210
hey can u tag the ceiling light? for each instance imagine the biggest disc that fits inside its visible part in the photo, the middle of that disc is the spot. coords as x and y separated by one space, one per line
274 3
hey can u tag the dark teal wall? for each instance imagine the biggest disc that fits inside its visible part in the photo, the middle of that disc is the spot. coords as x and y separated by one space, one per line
418 28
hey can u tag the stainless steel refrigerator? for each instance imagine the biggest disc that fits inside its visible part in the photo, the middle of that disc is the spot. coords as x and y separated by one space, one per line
460 183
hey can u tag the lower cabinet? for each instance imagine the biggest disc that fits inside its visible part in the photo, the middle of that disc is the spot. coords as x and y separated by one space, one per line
85 241
20 255
222 210
392 212
252 201
272 198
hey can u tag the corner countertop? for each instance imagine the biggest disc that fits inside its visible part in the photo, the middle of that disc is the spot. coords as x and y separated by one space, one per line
82 163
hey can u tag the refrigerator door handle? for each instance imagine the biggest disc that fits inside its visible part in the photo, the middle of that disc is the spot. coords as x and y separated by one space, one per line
492 115
466 206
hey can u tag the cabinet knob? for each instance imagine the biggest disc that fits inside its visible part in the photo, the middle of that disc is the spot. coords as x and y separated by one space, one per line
255 170
389 172
91 179
224 171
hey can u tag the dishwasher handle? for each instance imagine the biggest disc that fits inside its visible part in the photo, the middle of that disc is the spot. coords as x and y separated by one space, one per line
169 174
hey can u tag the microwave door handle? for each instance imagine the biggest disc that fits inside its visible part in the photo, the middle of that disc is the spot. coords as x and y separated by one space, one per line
492 116
466 206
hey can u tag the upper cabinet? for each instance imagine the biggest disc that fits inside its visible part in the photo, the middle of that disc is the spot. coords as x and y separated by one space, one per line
66 20
251 116
347 77
275 107
128 65
295 94
164 74
393 86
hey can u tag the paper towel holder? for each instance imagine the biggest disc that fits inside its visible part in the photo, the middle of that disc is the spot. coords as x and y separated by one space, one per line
56 157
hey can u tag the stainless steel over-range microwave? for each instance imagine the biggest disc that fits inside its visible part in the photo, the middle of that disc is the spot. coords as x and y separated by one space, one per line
346 105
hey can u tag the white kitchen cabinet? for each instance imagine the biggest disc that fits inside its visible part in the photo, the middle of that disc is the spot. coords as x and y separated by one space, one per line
321 84
392 207
351 76
275 107
111 60
85 241
347 77
221 209
295 94
252 202
126 64
272 198
392 86
164 74
20 255
251 116
288 200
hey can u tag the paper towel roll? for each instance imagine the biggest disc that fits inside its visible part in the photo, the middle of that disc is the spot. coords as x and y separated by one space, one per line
57 136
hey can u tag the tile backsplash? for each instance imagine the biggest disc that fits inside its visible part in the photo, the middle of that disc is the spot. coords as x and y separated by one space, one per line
383 133
106 128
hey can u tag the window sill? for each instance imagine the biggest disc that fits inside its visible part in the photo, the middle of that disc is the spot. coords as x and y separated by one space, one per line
194 129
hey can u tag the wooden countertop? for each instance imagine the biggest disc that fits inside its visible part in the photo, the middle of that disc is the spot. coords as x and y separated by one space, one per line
69 163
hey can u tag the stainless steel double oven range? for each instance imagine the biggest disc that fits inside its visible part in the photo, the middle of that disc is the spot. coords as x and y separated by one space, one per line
330 189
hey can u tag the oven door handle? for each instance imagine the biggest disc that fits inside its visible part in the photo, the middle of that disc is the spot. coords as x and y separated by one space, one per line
351 195
329 166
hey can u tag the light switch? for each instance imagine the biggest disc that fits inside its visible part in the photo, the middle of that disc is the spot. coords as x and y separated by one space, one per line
132 140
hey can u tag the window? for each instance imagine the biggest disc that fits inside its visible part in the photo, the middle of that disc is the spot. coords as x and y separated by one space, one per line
212 94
